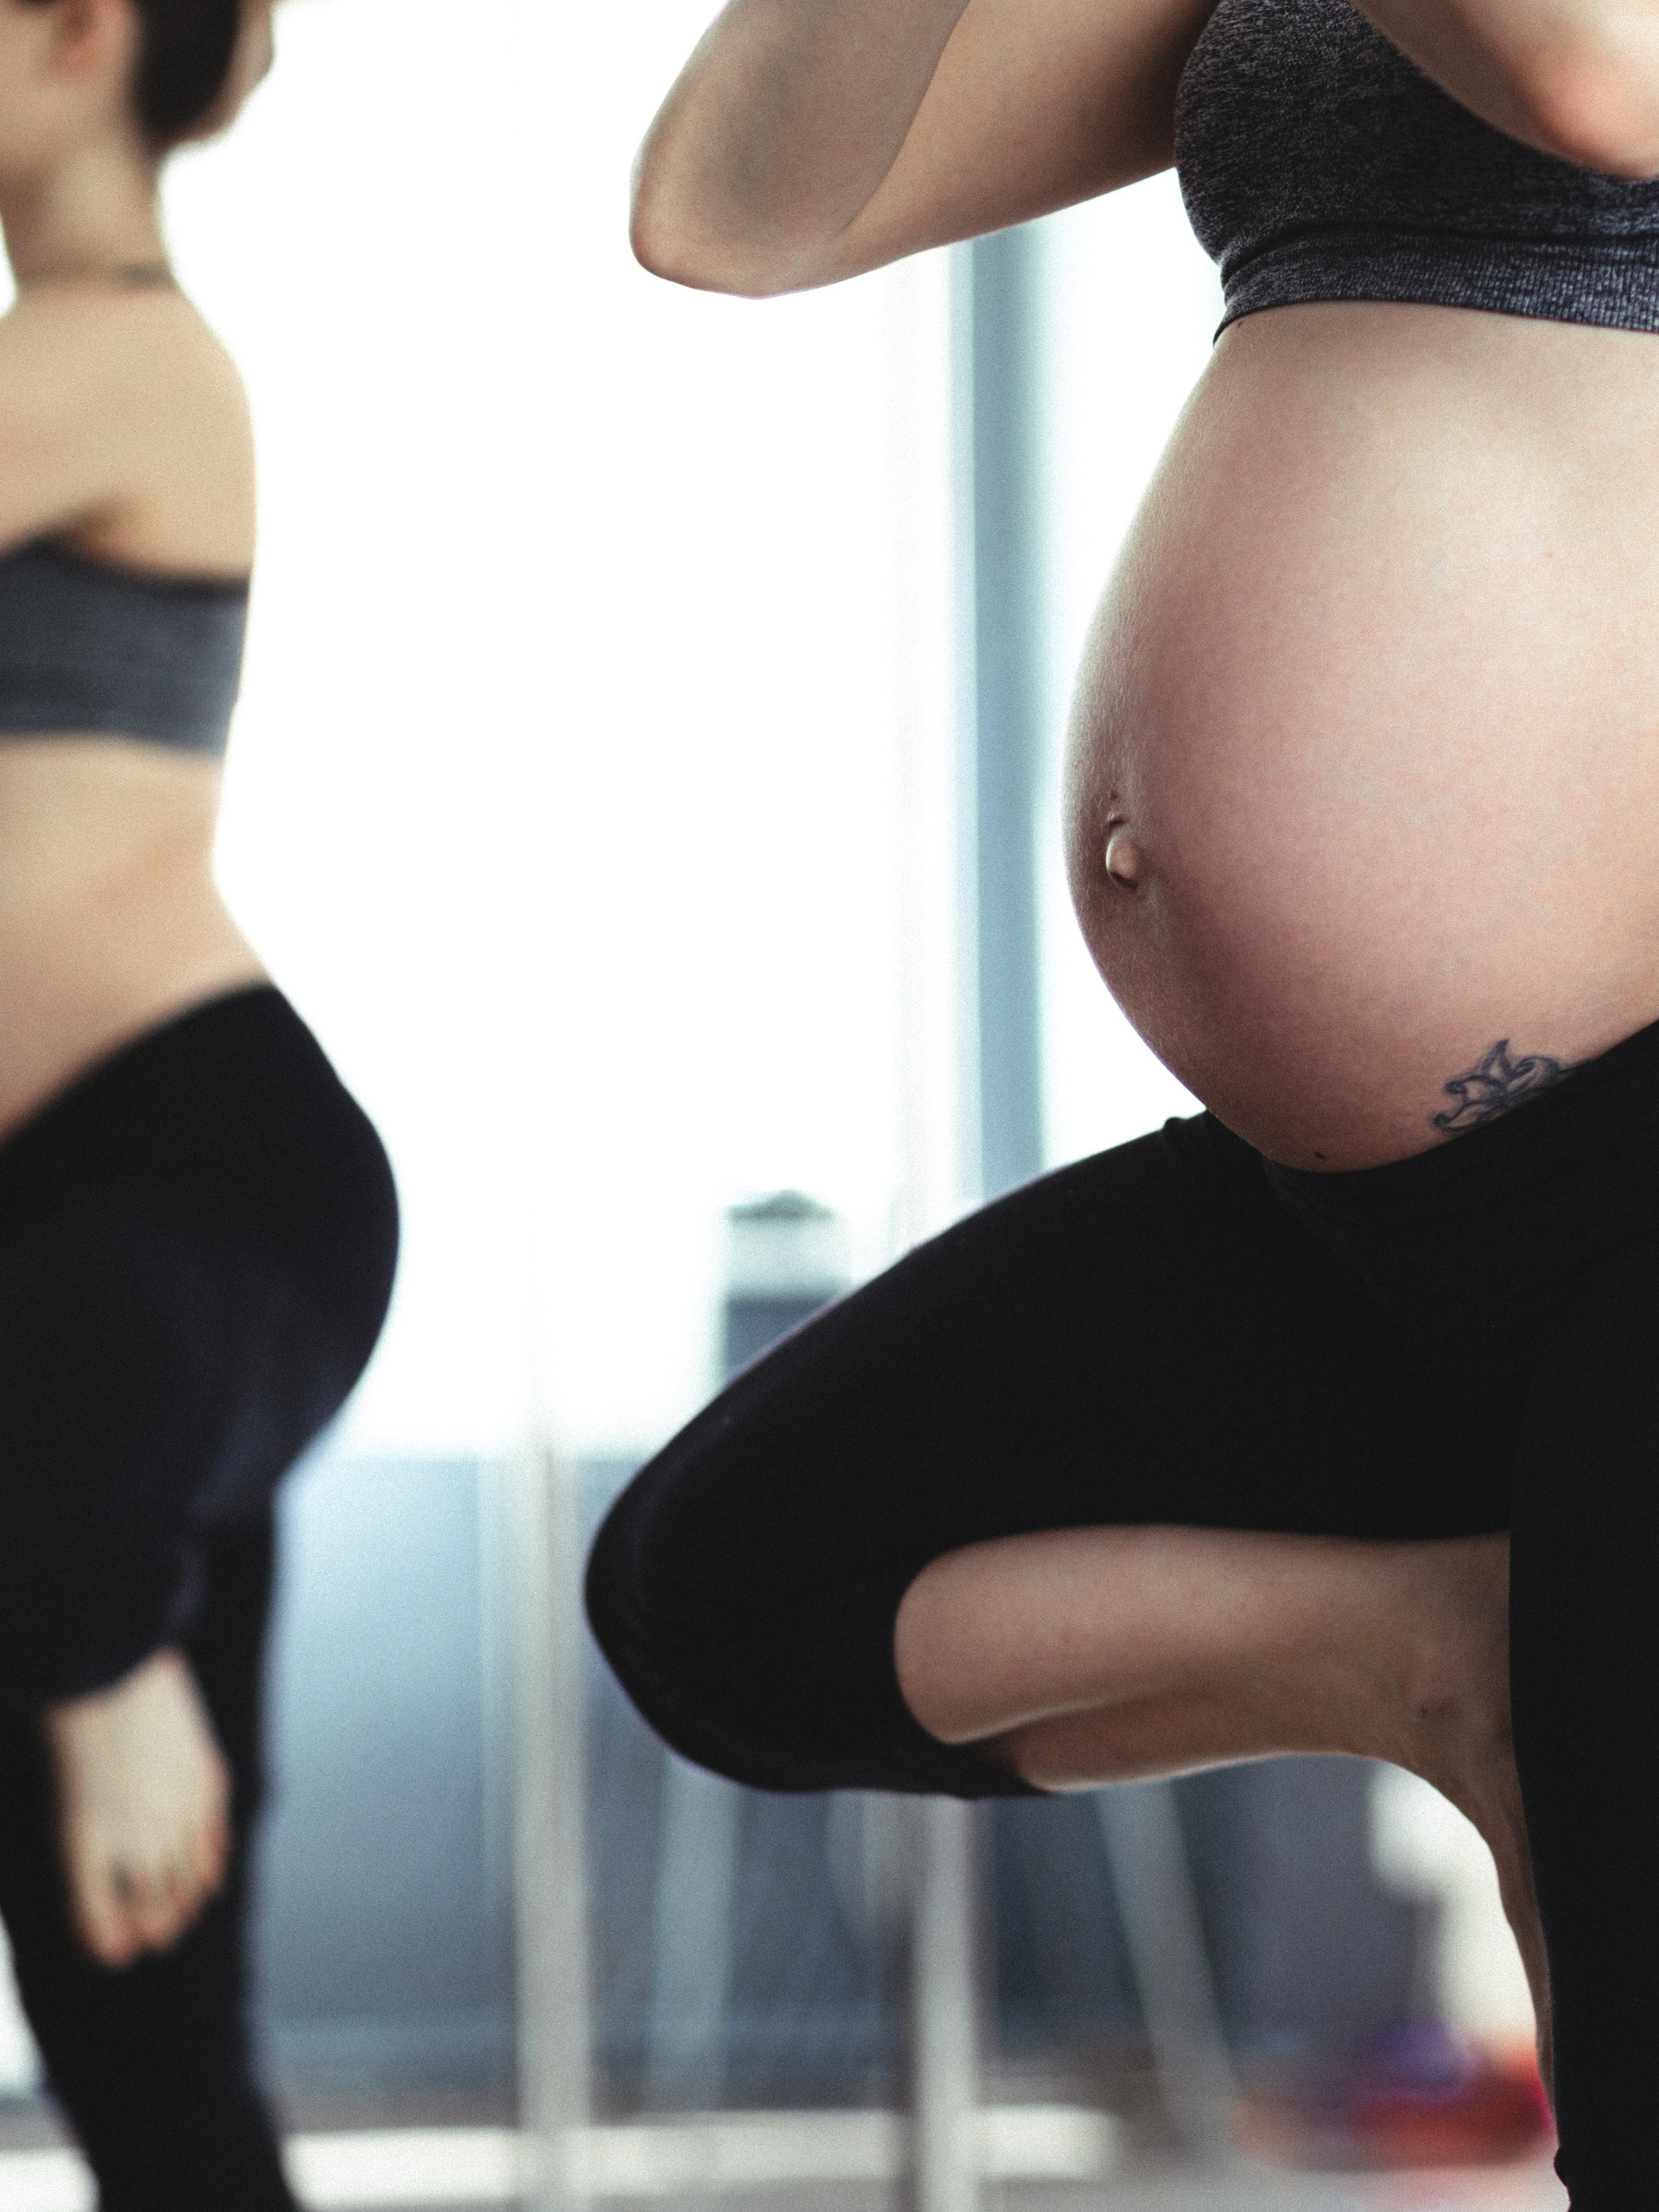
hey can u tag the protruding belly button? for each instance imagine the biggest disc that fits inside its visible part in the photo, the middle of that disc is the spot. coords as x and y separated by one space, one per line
1124 861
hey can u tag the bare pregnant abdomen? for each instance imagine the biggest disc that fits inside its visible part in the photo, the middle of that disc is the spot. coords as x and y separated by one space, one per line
1364 798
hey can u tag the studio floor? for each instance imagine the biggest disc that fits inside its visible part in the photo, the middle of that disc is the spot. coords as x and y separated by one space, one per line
51 2180
405 2158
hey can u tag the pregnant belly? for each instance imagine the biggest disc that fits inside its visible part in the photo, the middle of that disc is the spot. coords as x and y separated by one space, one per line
1363 790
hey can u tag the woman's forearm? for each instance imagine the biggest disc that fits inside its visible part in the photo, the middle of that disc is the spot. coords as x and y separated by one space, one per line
780 127
1579 79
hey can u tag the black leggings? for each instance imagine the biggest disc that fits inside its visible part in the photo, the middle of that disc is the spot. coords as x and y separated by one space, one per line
197 1242
1177 1331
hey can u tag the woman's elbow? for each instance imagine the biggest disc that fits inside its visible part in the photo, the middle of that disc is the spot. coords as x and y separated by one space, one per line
674 245
1590 92
671 250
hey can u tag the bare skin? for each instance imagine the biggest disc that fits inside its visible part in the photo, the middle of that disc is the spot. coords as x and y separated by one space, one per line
143 1795
1091 1655
1380 825
124 438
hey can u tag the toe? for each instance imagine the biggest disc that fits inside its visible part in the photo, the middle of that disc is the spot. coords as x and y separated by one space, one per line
102 1920
158 1912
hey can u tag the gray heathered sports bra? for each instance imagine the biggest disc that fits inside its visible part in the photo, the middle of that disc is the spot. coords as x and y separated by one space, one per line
1318 163
86 646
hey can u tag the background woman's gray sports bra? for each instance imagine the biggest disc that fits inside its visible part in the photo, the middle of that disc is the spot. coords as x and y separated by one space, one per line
89 647
1318 163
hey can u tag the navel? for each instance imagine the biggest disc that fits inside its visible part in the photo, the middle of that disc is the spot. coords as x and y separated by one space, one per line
1125 862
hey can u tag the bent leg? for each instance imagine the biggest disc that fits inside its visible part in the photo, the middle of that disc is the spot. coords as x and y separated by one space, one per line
1144 1340
151 2062
1091 1655
157 1366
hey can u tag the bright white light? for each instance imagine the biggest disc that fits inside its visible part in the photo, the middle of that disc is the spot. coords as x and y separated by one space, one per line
559 794
563 794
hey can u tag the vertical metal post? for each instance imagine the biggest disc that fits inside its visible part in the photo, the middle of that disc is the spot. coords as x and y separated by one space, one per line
997 342
549 1821
945 2012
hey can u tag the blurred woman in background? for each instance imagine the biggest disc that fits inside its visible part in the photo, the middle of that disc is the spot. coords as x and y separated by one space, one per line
198 1226
1326 1421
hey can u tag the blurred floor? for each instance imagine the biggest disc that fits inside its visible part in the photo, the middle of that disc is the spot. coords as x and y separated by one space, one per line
366 2146
1528 2190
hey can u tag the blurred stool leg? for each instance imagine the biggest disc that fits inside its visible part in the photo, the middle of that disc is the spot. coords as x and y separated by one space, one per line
944 2004
1146 1855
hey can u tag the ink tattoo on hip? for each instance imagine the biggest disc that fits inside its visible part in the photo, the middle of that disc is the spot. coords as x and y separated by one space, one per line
1498 1081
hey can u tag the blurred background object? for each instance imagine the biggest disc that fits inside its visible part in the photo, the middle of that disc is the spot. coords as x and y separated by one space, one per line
687 676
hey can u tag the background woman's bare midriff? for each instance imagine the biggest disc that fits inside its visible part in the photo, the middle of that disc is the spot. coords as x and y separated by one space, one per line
110 921
1371 706
110 917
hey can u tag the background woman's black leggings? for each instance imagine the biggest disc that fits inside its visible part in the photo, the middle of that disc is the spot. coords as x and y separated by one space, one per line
197 1245
1177 1331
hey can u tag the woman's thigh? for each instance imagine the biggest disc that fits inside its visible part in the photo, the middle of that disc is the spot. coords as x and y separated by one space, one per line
155 1373
1142 1337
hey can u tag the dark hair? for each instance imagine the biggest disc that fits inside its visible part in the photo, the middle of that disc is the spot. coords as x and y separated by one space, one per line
184 57
185 49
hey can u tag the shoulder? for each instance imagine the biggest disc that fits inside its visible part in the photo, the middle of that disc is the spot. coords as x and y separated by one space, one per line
124 426
138 355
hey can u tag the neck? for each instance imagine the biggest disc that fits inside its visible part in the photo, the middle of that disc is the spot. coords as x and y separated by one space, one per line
94 213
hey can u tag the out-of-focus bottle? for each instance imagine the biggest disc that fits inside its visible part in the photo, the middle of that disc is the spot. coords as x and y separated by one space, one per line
786 1259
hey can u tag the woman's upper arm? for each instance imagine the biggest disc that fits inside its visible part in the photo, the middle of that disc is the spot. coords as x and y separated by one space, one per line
782 160
1579 79
1033 107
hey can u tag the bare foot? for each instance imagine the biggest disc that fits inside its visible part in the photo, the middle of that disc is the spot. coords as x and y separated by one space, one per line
1457 1735
143 1808
1091 1655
